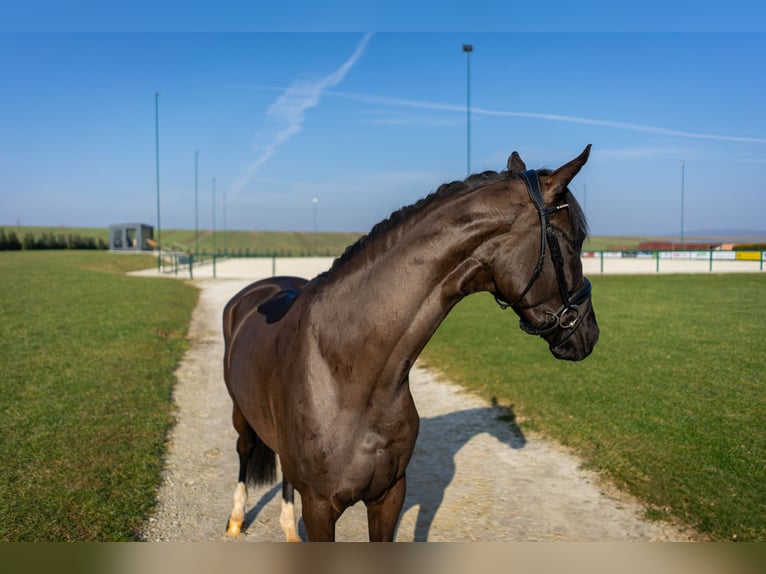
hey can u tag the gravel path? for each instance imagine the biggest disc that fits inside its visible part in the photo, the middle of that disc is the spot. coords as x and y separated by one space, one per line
472 477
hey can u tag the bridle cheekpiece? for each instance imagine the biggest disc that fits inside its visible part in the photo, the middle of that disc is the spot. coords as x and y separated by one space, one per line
568 315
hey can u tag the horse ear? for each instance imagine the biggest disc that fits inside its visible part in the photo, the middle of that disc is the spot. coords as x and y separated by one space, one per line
560 178
516 164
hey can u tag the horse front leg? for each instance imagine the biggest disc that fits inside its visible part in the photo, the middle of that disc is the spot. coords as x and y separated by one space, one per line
319 518
383 514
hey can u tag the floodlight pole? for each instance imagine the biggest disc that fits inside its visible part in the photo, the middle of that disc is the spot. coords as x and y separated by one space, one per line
214 252
468 48
157 157
683 168
196 204
585 198
225 243
585 205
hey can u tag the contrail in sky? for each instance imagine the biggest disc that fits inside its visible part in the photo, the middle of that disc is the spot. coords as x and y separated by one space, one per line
288 112
403 102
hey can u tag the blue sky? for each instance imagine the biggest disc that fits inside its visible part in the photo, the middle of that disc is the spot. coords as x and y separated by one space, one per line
367 122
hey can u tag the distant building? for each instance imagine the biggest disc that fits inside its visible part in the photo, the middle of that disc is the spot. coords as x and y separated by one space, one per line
131 237
680 246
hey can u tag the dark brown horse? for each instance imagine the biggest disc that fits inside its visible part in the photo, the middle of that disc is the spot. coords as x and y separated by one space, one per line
318 370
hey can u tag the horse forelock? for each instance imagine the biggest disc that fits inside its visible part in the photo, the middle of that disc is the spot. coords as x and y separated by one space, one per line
576 215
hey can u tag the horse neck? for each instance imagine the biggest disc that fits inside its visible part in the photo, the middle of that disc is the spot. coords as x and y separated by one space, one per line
395 292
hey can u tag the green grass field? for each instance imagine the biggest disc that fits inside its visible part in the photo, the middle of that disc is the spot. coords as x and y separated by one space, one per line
670 406
87 358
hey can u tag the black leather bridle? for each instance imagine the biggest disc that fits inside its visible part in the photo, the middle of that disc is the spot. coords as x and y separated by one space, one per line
568 315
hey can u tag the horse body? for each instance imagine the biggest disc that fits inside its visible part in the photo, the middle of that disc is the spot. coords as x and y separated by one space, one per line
326 386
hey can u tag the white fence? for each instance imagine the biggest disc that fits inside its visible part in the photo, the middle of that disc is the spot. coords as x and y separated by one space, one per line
642 262
594 262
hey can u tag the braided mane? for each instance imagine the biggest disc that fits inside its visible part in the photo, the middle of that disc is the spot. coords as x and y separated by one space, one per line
405 213
576 215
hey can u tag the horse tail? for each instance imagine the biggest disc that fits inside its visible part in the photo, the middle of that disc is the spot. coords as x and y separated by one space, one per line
262 464
257 461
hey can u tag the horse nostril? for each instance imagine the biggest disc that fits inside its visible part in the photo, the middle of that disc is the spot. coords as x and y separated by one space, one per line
581 343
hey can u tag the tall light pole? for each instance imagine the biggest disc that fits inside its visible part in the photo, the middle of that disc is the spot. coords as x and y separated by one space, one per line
196 204
314 203
585 206
214 218
585 198
157 164
225 245
683 167
468 48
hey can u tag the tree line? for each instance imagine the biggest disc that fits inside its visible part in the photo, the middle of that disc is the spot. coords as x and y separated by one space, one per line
9 241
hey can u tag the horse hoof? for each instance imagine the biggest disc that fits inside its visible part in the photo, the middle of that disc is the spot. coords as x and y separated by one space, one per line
233 528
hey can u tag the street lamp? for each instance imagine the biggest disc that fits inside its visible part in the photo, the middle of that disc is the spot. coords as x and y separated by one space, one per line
196 204
157 164
468 48
683 167
225 244
585 198
213 219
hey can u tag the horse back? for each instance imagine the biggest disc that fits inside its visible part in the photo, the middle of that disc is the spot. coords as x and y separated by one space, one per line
252 297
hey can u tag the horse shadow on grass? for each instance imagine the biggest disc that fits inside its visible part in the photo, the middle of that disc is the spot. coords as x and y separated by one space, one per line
432 467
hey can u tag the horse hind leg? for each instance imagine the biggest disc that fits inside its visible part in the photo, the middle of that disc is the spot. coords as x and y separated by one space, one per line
237 517
245 448
287 515
257 465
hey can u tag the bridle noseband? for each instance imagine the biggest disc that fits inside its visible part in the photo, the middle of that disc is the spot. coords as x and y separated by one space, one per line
568 315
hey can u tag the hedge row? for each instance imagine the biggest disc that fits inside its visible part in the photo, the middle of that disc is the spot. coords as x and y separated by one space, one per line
11 242
750 247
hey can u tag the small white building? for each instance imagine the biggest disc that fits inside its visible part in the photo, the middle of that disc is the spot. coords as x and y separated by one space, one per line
131 237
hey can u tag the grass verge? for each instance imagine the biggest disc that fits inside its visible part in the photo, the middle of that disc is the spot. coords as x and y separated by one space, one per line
670 406
282 243
87 359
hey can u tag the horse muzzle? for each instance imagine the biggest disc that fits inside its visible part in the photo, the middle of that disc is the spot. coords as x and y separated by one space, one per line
576 343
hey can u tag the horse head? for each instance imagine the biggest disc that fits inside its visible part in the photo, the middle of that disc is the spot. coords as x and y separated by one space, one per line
537 269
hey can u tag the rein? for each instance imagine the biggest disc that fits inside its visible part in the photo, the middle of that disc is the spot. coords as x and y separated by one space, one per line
568 315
